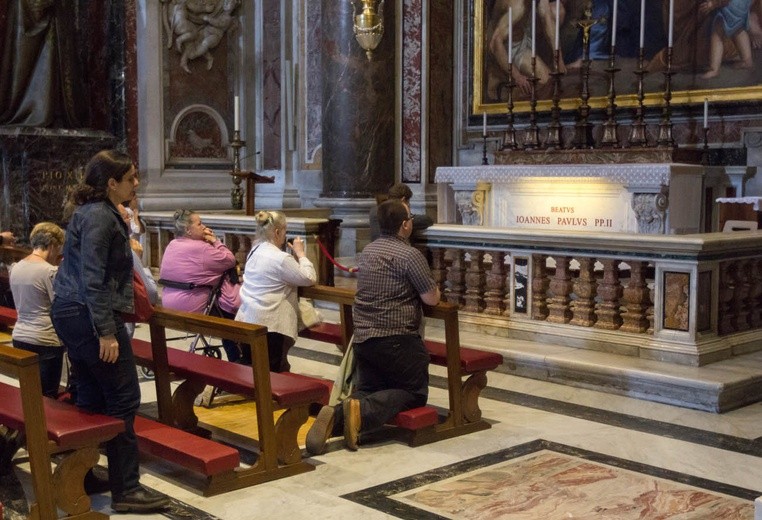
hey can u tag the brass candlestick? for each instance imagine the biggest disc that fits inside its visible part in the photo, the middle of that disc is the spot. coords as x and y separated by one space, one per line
484 149
583 130
532 136
665 127
638 129
554 140
705 153
236 193
509 136
610 138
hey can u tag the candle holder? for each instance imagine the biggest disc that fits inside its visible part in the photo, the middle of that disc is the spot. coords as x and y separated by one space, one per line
705 152
509 136
665 127
532 135
583 130
484 149
638 129
236 193
554 140
610 137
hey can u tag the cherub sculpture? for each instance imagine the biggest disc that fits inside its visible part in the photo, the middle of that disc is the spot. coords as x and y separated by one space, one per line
196 27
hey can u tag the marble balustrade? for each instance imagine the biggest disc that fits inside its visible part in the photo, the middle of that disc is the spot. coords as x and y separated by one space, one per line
237 232
687 299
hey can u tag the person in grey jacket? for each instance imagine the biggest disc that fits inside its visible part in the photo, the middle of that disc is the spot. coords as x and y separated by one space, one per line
92 289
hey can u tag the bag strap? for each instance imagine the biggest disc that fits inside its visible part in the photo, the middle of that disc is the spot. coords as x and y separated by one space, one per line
185 286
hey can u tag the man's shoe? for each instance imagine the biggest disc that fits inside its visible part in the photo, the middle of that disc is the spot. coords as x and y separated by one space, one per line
96 481
352 420
321 430
141 500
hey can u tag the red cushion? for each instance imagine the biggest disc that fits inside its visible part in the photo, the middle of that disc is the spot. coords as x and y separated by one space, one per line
183 448
471 360
325 332
416 418
286 389
8 316
67 425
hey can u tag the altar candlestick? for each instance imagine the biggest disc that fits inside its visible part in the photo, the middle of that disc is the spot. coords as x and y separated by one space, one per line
534 24
510 35
484 124
706 112
642 22
236 115
671 21
558 26
613 25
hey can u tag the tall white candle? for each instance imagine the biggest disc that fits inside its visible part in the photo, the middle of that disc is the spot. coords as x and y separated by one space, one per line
558 25
706 112
671 21
236 114
642 22
534 23
613 25
510 35
484 124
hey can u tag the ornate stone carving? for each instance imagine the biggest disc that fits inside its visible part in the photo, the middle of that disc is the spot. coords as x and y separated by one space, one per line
651 211
470 203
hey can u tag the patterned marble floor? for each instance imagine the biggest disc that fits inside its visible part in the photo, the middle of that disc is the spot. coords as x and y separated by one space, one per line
553 452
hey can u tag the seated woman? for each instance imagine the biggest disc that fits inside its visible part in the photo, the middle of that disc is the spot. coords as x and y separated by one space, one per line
270 280
197 256
31 281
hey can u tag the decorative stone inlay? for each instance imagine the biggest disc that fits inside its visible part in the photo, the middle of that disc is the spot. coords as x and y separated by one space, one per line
651 211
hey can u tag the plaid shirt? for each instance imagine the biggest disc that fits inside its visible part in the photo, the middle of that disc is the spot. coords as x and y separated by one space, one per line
392 275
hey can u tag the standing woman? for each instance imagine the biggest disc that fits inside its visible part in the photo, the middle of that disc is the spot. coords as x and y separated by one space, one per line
93 287
31 282
269 294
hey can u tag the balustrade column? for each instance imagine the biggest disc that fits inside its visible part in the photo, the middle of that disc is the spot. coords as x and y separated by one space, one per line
610 292
540 283
755 298
583 308
456 277
636 298
560 287
494 298
475 280
439 269
725 311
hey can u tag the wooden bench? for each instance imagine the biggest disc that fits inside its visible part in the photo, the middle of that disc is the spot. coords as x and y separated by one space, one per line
464 415
8 317
52 427
279 452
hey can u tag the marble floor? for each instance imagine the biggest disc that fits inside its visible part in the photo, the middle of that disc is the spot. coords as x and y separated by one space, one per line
553 452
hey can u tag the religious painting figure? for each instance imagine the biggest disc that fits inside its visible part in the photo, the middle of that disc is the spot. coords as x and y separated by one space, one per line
42 83
730 21
199 26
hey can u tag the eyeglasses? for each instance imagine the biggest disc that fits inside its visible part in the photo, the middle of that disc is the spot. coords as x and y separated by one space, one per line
410 217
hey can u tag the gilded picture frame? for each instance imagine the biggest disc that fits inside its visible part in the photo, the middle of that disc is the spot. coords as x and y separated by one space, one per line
738 77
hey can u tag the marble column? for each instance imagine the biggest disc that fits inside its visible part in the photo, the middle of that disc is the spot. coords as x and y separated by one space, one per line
358 120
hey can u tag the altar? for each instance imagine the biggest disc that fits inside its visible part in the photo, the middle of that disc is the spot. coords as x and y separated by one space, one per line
652 198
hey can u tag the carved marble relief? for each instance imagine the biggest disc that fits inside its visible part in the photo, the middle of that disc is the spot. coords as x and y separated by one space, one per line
199 133
471 203
195 27
651 211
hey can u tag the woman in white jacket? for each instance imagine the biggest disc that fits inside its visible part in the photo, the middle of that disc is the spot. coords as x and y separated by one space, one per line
269 294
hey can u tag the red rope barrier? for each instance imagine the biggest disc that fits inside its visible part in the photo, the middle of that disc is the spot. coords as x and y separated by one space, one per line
333 260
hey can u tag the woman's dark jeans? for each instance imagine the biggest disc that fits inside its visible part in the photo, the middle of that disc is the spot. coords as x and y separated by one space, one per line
108 388
51 365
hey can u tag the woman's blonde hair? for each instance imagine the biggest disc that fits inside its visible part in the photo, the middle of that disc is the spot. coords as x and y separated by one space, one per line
267 222
45 234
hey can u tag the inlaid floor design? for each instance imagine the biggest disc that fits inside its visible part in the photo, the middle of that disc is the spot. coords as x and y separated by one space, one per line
550 481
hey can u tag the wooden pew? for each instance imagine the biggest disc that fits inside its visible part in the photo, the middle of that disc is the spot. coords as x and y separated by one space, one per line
464 415
52 427
279 452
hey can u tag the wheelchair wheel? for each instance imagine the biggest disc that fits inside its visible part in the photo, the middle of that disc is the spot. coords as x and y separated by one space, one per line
212 351
147 373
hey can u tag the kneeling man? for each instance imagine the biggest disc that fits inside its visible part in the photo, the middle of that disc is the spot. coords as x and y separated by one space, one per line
392 365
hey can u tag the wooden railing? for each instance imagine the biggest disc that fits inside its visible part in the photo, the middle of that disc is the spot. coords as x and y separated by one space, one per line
689 299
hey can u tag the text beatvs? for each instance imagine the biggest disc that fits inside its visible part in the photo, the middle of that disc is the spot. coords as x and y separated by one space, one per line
561 209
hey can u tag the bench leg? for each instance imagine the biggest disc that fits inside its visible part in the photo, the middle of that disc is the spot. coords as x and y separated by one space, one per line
68 482
471 389
182 404
286 432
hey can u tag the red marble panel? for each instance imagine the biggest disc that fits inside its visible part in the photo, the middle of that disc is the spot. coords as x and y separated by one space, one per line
412 30
271 85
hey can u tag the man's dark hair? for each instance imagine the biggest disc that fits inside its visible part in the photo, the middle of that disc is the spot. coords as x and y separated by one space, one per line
400 191
391 214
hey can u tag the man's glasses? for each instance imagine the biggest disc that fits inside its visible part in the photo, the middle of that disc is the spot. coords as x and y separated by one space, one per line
410 217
